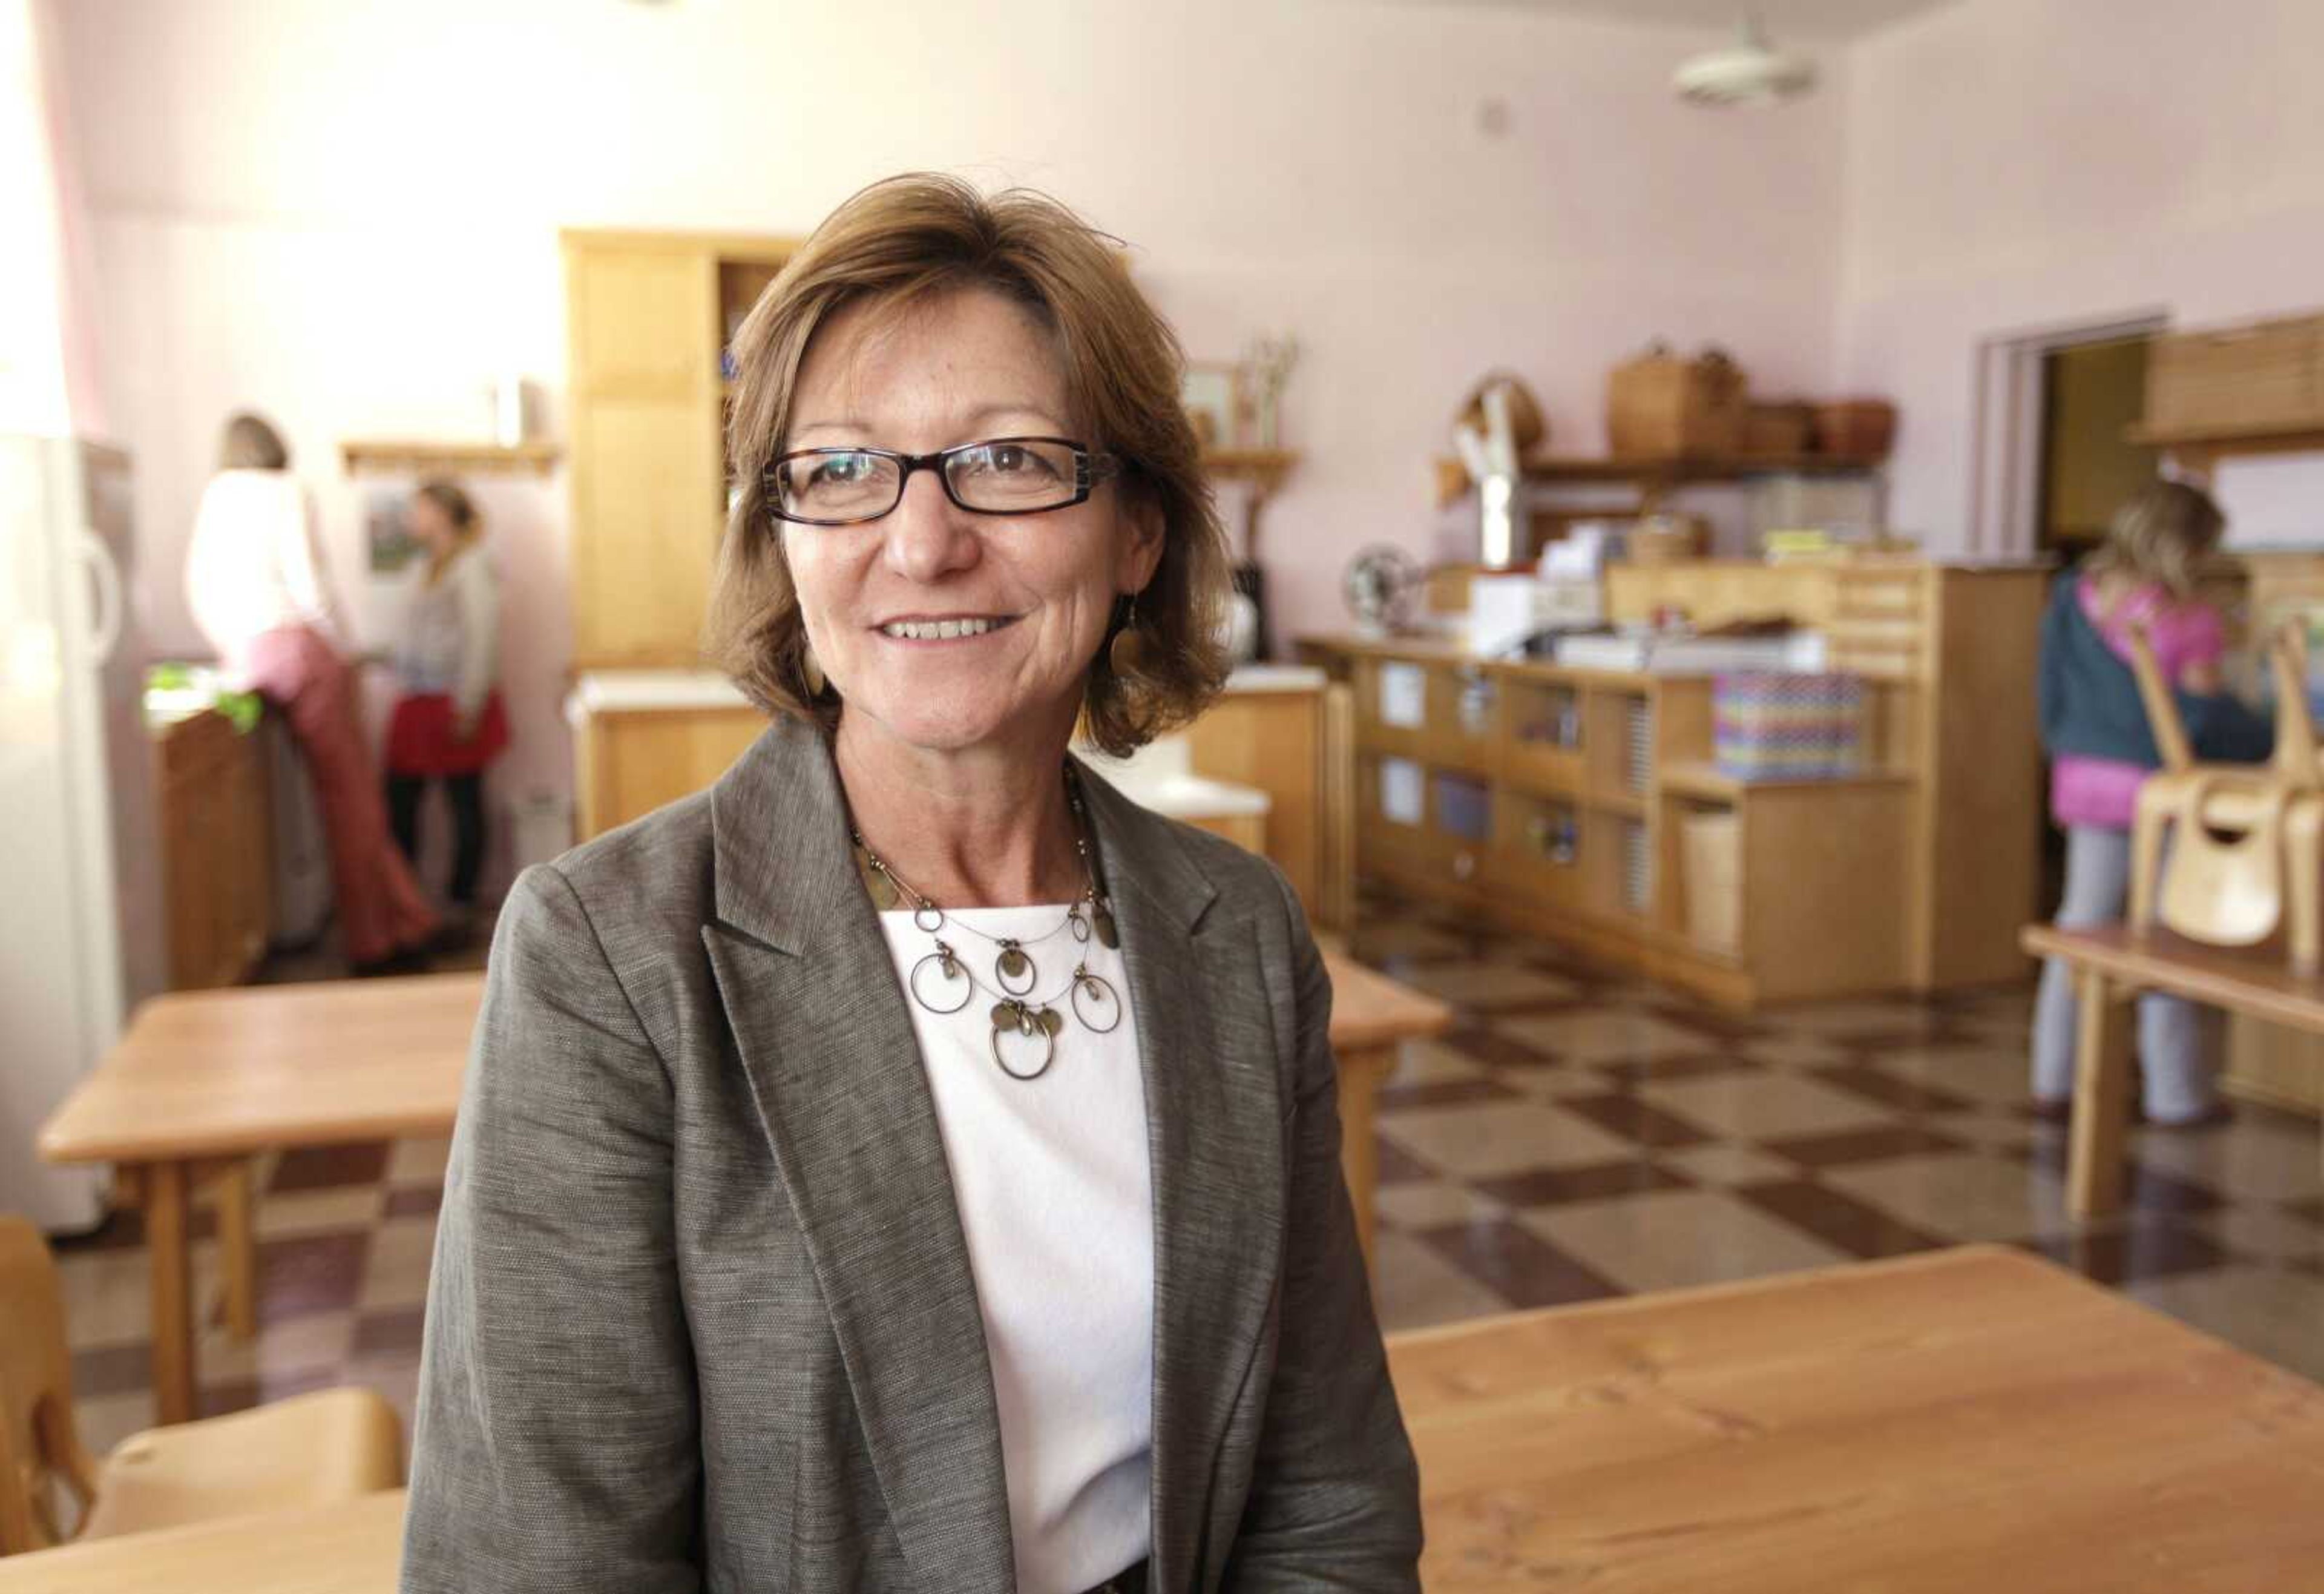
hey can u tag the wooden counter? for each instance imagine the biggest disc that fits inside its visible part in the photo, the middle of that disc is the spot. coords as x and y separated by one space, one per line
218 847
645 737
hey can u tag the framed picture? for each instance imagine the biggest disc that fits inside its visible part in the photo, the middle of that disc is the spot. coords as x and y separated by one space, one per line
387 535
1214 396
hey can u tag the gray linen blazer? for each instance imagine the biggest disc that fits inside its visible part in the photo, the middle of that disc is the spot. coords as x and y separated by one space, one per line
701 1315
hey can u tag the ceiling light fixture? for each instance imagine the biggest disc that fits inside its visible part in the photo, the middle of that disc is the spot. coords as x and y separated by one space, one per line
1751 73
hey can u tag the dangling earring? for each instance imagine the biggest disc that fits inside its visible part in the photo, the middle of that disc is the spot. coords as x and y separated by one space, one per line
1128 652
811 671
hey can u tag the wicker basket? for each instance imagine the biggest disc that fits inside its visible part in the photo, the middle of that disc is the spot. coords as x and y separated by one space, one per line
1856 429
1662 407
1783 428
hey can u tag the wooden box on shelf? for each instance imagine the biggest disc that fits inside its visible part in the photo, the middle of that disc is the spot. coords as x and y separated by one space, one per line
2267 375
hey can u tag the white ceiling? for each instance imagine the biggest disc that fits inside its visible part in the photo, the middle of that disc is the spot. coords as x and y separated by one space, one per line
1829 21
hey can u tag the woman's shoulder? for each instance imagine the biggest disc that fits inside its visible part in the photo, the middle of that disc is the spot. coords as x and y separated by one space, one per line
653 870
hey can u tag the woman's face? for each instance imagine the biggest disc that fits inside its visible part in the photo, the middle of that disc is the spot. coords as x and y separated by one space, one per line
1036 589
429 526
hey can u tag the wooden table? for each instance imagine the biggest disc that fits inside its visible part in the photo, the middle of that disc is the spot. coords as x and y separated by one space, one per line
1965 1419
206 1079
2112 967
1372 1015
203 1081
351 1548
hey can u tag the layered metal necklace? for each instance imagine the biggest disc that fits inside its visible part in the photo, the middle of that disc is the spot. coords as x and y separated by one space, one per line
1025 1025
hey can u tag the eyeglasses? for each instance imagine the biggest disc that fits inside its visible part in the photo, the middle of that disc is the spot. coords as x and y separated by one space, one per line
1003 476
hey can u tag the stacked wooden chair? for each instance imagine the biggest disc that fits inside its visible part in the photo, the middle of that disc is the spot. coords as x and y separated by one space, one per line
2247 840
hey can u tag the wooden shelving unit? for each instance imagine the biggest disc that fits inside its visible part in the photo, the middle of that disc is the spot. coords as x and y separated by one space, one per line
649 316
358 455
1558 801
2199 449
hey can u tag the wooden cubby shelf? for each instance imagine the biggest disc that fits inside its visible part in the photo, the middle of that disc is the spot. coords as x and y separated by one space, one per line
1585 806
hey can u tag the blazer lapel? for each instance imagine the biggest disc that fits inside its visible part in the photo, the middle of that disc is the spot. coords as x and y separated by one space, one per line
819 1020
1214 1134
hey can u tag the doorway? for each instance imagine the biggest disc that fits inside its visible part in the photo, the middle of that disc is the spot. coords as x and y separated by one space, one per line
2054 459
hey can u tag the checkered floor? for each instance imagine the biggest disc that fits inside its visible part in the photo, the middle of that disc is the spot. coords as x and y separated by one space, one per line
1575 1136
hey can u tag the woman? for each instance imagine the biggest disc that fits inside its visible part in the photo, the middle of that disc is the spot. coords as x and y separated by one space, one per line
449 725
995 1239
256 582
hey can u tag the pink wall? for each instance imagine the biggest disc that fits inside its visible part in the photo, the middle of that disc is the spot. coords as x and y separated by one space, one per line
347 215
2026 164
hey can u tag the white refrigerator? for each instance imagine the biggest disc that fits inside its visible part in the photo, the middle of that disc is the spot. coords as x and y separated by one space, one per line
81 933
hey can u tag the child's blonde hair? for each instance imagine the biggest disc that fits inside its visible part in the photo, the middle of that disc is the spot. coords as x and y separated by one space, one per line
2163 535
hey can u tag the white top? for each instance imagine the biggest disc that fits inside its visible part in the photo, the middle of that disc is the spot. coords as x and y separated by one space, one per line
1055 1196
254 564
452 635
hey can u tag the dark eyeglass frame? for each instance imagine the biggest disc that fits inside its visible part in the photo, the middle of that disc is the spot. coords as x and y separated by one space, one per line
1090 468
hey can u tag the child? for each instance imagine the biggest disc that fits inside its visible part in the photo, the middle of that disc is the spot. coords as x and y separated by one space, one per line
449 724
2095 731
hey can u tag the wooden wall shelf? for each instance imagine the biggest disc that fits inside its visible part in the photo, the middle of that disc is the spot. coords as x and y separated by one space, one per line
1655 476
357 455
2203 445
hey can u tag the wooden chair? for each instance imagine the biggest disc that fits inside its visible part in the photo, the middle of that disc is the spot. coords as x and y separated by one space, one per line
310 1450
2249 838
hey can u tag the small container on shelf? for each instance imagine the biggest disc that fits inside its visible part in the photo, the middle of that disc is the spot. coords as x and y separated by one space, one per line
1770 726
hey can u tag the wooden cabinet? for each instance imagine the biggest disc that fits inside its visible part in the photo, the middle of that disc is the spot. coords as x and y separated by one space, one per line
218 849
1560 801
649 317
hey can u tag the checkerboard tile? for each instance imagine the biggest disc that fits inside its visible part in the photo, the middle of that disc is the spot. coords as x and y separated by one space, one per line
1576 1135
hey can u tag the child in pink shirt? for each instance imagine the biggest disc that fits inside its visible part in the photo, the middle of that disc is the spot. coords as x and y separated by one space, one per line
2145 575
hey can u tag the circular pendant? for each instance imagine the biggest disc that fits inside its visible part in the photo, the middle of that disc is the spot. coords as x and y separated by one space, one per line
1025 1031
1013 971
1079 925
1095 1004
927 918
950 982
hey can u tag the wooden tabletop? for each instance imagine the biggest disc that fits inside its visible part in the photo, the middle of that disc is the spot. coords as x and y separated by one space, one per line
218 1073
347 1549
2259 983
1369 1009
208 1073
1969 1418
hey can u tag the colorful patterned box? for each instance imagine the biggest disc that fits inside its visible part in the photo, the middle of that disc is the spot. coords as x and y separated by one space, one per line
1787 728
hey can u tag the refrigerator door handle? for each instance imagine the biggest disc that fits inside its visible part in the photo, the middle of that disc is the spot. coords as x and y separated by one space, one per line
104 630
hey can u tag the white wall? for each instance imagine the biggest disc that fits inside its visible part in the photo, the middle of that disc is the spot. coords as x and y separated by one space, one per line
346 214
2024 163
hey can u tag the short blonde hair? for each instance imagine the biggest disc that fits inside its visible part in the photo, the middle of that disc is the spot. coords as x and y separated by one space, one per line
250 443
913 238
2163 535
